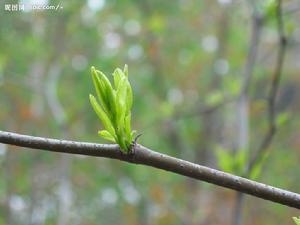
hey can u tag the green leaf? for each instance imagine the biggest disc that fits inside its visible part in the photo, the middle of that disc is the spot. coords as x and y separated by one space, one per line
121 141
102 115
282 118
290 27
232 86
109 93
240 160
126 70
118 74
214 98
100 90
269 8
129 99
133 134
106 135
121 102
225 160
257 168
128 127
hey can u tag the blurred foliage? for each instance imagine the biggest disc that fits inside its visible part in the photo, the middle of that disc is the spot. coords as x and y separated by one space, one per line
296 220
184 57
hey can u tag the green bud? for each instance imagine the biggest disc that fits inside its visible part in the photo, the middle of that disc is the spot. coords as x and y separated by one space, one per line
115 106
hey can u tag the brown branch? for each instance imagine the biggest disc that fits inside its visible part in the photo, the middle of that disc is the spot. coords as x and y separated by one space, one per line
145 156
257 24
263 147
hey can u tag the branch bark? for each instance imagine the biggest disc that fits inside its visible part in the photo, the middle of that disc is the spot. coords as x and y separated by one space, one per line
145 156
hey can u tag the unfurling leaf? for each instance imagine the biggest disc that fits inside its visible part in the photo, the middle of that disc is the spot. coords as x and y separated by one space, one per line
121 102
129 96
102 115
114 107
100 89
128 126
109 93
117 77
126 70
105 134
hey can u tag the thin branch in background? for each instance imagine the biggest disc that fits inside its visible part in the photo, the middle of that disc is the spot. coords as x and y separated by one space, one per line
196 112
242 101
199 111
148 157
263 147
257 23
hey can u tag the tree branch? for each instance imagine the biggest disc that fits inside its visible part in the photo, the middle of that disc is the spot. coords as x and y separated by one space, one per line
145 156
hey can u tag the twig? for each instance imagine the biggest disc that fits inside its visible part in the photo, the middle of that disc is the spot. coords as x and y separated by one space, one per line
151 158
257 22
203 109
263 147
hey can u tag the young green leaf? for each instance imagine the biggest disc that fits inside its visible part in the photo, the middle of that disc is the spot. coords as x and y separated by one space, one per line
115 106
121 102
133 134
129 98
121 141
225 160
100 90
126 70
106 135
118 74
258 166
102 115
109 93
128 126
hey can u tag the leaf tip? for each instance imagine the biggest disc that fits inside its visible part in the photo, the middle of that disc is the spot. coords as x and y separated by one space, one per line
126 70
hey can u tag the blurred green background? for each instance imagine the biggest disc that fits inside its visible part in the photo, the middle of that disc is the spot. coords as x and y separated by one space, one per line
186 59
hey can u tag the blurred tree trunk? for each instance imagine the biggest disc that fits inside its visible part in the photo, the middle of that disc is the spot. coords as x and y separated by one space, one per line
65 196
242 106
8 168
37 193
